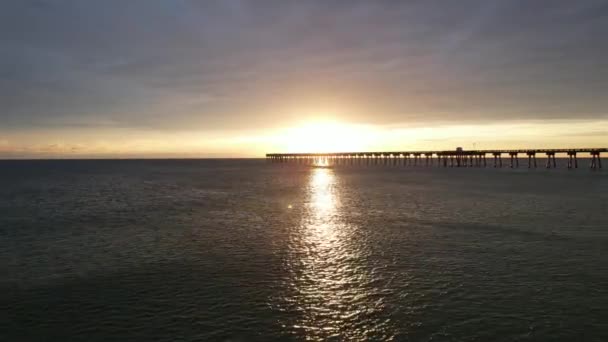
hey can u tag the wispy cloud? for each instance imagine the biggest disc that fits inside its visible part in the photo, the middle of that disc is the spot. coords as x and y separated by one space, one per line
213 65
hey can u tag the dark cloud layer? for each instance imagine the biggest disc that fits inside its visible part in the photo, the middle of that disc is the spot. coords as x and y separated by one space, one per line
227 64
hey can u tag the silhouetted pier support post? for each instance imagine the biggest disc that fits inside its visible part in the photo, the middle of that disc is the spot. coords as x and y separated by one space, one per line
572 161
596 162
514 159
429 159
416 157
497 159
531 158
551 160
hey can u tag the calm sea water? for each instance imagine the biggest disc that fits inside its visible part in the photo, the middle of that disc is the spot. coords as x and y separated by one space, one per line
242 250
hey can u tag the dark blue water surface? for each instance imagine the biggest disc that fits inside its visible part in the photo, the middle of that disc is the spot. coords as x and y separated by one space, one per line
243 250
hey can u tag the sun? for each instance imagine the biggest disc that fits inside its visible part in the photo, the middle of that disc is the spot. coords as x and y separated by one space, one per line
327 136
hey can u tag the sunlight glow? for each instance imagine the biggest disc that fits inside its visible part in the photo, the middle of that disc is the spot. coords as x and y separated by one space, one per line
328 136
333 136
319 135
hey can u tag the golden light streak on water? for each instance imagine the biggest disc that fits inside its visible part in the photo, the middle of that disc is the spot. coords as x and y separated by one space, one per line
330 280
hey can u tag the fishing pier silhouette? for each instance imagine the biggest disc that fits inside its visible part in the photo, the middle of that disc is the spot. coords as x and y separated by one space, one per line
446 158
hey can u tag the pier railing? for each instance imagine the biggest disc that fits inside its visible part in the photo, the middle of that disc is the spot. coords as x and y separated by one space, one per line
445 158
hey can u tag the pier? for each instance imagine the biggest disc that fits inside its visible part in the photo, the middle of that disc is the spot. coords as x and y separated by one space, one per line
445 158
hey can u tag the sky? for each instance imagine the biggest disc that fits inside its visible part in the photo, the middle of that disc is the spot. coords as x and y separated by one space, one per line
175 78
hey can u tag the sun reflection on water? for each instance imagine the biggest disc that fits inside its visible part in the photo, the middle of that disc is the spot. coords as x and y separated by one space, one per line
321 162
323 199
330 285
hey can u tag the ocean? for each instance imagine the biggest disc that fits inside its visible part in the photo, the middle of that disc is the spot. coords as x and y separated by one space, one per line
245 250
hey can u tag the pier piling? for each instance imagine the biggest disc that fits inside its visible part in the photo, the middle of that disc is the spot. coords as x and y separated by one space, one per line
550 160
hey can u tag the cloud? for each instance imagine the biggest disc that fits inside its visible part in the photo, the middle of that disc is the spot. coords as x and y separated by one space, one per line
180 65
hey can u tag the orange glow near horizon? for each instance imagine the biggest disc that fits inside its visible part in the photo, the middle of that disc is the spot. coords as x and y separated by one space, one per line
314 135
334 136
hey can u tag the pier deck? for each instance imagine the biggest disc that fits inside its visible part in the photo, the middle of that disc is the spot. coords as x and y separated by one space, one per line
446 158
